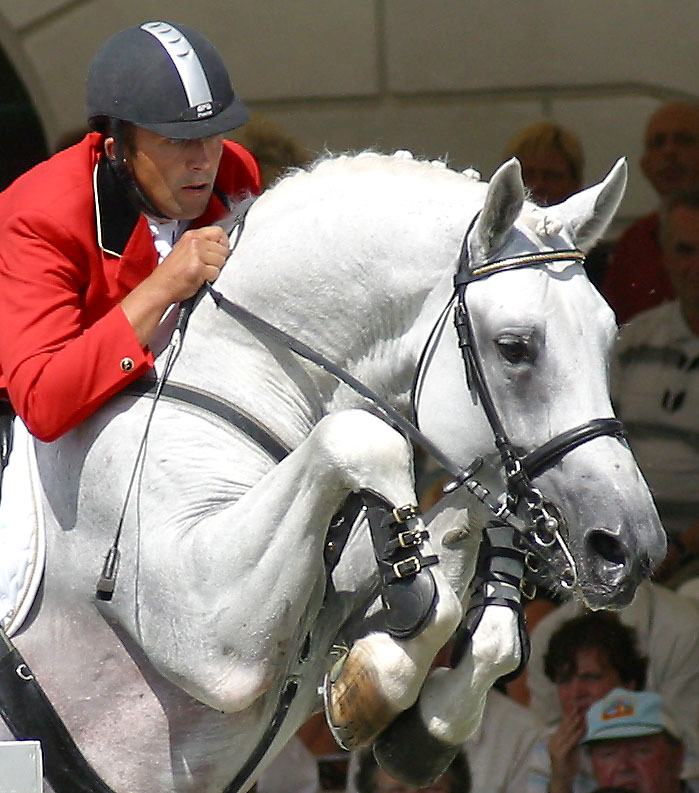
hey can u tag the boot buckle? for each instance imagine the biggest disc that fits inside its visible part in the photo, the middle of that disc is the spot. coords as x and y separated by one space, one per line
407 567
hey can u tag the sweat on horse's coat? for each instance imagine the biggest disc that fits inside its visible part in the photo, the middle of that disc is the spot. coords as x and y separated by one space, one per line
221 578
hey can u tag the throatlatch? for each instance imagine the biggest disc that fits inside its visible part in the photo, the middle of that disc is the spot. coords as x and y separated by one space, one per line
408 589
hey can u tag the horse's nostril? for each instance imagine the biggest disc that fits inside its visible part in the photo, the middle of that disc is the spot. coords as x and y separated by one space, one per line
607 546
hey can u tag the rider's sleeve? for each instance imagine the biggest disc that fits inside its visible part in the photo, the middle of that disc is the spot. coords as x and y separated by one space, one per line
64 348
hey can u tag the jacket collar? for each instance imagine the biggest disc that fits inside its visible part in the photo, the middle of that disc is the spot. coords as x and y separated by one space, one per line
116 215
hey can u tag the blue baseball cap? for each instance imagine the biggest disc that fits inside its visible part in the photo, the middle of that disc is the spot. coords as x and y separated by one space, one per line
628 714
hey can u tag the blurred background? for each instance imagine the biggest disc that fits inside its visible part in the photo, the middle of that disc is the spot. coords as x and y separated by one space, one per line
452 79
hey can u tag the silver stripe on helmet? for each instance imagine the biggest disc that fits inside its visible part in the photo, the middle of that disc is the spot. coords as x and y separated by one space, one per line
185 60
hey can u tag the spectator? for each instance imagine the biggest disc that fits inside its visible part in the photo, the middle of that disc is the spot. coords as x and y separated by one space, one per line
614 789
655 389
587 657
552 161
634 744
371 778
667 631
499 752
635 278
274 149
690 589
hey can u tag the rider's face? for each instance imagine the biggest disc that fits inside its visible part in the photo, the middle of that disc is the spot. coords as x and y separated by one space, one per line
177 176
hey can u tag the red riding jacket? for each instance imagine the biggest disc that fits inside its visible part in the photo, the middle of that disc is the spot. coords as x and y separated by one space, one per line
72 247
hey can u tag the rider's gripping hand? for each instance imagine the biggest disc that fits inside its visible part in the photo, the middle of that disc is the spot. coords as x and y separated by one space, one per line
198 256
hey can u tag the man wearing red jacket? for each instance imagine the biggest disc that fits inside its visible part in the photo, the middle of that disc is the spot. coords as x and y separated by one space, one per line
99 241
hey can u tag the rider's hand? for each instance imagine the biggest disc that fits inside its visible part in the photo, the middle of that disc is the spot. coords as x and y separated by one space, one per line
198 256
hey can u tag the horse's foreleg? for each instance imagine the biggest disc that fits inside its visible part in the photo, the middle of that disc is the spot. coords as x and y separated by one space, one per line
258 564
450 706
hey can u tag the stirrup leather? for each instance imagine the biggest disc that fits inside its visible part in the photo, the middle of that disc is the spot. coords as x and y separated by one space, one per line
408 588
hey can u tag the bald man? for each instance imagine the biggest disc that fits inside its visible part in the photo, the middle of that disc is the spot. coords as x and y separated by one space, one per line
636 279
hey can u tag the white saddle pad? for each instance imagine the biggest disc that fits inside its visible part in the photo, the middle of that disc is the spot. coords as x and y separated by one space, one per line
22 532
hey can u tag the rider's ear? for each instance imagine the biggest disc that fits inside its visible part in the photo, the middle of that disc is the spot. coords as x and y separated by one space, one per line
110 148
503 203
589 212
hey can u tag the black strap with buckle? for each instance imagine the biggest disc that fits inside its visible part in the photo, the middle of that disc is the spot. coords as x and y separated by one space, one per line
408 589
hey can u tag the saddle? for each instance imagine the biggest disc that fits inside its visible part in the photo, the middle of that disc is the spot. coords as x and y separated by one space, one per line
22 530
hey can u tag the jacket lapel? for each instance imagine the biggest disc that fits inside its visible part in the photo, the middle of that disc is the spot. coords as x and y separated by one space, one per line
122 231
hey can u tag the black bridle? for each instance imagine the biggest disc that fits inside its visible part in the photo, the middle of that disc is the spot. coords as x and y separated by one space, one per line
544 521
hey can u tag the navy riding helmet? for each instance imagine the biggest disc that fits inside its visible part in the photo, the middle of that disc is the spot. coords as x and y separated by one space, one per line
168 79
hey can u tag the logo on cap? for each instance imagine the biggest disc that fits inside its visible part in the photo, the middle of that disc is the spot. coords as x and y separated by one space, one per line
617 709
204 110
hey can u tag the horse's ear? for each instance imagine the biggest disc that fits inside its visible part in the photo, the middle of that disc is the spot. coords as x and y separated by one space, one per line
590 211
502 206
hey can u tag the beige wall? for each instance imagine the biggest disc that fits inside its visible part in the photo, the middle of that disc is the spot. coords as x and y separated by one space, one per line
444 78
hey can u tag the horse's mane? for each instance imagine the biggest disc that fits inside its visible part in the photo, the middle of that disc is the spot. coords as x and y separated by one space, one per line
399 164
403 164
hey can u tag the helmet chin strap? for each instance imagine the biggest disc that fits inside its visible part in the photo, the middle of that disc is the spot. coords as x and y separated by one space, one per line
119 166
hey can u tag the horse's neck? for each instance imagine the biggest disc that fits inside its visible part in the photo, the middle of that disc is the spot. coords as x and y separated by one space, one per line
367 307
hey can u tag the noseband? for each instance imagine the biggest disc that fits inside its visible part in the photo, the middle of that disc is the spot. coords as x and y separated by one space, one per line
520 468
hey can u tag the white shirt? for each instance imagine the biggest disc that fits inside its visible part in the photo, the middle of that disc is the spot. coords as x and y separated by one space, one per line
655 390
165 234
293 770
500 751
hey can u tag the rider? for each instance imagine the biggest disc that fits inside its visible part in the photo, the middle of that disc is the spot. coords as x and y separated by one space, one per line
98 242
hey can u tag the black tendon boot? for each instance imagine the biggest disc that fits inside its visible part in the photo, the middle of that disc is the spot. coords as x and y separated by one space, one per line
408 589
354 706
498 582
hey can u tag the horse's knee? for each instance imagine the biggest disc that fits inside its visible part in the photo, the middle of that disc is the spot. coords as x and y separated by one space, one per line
235 690
362 448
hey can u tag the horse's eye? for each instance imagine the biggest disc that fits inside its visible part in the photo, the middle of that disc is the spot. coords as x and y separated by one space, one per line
515 348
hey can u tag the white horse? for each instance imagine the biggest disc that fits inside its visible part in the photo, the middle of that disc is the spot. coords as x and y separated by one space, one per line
222 615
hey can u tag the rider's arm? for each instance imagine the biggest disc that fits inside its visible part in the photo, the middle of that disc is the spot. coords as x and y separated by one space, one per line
66 345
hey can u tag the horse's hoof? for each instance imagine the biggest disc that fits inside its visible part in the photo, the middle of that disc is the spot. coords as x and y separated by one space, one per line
355 708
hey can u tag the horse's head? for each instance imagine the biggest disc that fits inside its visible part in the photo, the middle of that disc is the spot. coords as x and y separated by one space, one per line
536 337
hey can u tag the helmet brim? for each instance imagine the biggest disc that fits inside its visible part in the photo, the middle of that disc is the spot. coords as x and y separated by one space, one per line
233 116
